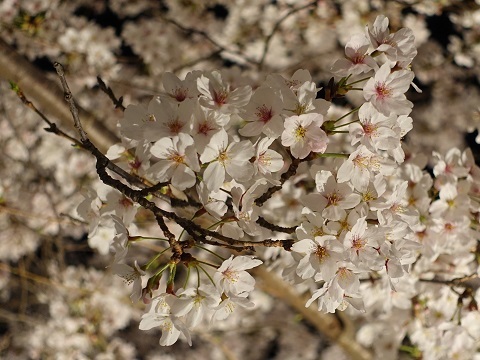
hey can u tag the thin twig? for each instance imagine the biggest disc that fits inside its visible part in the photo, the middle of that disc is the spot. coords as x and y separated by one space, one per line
464 281
69 99
266 224
277 26
108 90
207 37
53 128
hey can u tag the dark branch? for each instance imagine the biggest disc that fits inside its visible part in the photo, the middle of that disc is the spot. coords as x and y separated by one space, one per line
107 90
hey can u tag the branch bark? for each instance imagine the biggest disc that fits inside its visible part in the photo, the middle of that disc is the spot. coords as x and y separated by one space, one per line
47 95
327 324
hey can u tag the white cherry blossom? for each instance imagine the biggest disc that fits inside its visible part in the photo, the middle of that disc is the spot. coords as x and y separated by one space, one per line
232 278
232 159
178 161
262 114
303 135
386 91
357 60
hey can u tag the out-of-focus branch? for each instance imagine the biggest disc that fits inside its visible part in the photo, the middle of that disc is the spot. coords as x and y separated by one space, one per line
268 39
327 324
108 90
48 96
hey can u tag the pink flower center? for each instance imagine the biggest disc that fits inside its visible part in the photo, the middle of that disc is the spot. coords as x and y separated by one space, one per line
231 276
321 253
369 129
175 126
180 94
358 59
126 203
382 90
264 113
204 128
220 98
449 227
361 161
135 164
333 199
358 243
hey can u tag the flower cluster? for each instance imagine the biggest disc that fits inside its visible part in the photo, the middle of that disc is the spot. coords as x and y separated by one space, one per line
227 148
239 162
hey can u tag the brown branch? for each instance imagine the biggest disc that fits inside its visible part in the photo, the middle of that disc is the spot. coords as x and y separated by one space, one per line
108 90
470 281
47 95
327 324
268 39
199 239
138 196
292 170
266 224
207 37
71 102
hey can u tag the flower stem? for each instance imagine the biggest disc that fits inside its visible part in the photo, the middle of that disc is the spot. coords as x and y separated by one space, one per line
187 277
348 123
155 258
210 251
208 275
334 155
206 263
350 112
358 81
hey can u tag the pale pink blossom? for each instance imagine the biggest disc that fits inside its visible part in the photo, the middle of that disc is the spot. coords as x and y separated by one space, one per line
267 161
232 278
131 275
303 135
222 157
386 91
357 60
217 94
178 161
262 114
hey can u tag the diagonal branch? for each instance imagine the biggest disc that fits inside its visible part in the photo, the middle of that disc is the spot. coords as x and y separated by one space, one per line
268 39
46 94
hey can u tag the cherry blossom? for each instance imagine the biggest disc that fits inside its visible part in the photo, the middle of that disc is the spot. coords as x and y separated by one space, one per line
216 94
232 278
267 161
131 275
233 159
333 198
178 161
356 60
171 325
374 130
262 114
303 135
320 256
386 91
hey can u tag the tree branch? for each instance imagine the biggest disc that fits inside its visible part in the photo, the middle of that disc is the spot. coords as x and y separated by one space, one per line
47 95
268 39
327 324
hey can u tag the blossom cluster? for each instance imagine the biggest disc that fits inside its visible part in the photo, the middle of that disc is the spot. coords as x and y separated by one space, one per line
224 145
370 226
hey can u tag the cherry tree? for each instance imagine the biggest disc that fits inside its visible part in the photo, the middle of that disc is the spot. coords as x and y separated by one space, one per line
245 175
